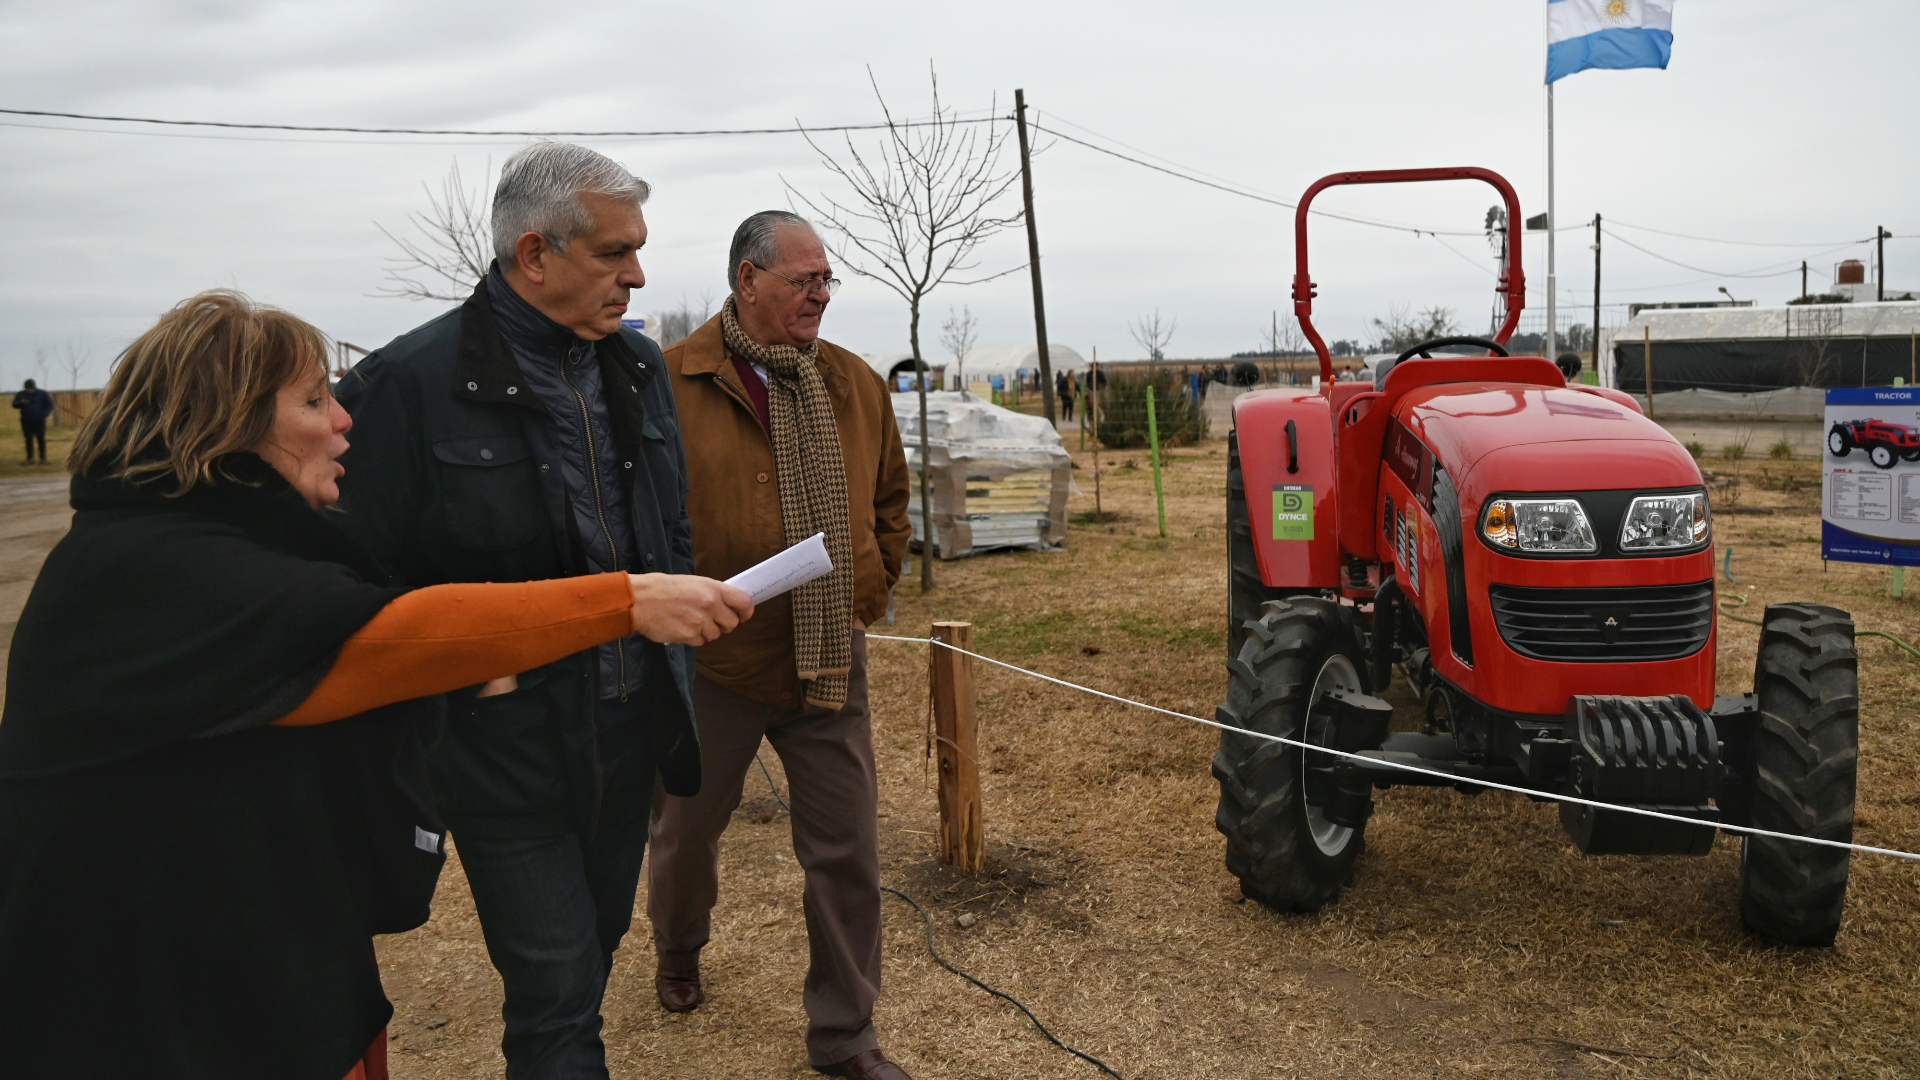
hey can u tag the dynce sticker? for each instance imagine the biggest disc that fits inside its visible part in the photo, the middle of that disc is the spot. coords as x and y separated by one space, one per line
1292 512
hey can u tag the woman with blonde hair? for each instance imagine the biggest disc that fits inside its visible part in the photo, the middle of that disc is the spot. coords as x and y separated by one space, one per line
212 775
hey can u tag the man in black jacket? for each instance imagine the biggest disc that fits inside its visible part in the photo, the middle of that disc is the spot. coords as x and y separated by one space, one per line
35 406
529 435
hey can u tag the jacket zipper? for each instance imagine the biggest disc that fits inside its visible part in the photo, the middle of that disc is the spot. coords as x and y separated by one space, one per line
599 507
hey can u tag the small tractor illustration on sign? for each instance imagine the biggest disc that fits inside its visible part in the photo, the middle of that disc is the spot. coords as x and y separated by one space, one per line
1884 443
1536 558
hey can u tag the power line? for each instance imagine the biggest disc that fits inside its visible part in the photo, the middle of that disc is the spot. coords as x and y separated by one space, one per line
1761 272
797 128
289 140
1716 240
1246 194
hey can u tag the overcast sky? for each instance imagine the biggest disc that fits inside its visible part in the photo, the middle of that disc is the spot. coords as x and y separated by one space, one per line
1779 122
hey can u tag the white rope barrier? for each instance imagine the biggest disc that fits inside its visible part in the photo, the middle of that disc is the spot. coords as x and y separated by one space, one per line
1450 777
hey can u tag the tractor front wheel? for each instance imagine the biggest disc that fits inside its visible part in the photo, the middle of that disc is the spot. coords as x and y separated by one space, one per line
1801 779
1882 456
1284 850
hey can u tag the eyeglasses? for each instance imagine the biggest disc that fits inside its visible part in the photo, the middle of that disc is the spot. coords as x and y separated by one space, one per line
806 284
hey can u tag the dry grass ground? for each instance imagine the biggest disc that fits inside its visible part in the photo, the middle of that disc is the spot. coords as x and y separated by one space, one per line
1475 941
13 447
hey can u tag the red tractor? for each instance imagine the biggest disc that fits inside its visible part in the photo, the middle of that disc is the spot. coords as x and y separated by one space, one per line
1536 558
1884 443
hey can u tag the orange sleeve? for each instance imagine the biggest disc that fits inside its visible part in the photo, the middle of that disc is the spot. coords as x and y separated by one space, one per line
444 637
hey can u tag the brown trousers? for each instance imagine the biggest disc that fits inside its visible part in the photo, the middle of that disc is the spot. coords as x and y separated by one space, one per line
835 797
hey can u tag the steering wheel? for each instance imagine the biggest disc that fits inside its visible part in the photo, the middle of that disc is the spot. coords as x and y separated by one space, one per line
1494 347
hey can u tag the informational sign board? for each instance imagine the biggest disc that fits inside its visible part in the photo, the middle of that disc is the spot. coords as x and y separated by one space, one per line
1870 489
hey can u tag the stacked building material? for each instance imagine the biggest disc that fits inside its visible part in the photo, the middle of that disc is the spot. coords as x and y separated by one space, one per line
1000 479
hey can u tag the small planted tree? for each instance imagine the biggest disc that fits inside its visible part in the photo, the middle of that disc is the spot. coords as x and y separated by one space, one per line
957 334
1153 335
921 203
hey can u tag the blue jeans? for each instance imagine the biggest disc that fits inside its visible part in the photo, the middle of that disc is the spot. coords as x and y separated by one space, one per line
554 904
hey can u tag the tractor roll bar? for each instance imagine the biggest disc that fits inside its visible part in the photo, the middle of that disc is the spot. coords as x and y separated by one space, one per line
1514 285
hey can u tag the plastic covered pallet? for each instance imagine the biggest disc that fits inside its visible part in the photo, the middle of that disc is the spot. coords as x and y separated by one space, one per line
1000 479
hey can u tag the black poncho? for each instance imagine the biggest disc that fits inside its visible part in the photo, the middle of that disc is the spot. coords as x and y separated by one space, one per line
186 891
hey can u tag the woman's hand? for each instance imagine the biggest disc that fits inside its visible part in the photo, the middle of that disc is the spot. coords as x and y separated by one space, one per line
686 609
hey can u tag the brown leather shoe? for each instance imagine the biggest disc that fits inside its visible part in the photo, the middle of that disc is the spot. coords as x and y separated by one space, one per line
867 1065
679 990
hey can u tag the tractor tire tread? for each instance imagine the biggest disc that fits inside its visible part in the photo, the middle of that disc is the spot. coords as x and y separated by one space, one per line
1804 774
1268 687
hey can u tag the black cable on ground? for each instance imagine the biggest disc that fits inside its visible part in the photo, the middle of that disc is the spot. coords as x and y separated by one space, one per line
942 961
770 783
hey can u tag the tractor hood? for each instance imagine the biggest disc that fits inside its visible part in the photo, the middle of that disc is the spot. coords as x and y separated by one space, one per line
1512 437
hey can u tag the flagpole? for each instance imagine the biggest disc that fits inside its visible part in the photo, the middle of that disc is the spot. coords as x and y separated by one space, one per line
1553 293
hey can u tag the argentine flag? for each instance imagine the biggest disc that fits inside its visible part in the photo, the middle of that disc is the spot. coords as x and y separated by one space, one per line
1584 34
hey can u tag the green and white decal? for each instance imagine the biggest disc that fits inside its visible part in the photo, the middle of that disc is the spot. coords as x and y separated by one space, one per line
1292 512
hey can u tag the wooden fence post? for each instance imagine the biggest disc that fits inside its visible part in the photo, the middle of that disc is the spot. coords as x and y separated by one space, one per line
957 740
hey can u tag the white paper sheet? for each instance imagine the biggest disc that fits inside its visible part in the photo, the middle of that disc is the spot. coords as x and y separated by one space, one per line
786 571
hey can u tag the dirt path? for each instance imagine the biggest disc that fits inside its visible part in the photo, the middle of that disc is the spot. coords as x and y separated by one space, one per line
33 517
1474 942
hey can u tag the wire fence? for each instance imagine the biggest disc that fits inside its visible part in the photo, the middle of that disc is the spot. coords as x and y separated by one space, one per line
1547 796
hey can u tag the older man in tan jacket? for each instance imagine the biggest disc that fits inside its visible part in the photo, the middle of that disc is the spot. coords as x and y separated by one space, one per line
787 436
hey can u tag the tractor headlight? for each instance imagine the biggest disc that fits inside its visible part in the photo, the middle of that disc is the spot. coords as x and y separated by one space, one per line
1657 522
1540 526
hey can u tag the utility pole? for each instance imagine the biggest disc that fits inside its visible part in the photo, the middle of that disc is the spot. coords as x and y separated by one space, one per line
1033 253
1596 296
1803 279
1553 289
1880 235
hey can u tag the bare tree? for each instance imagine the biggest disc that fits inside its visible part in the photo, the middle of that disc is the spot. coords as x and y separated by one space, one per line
676 324
922 202
1812 353
957 334
74 356
454 246
1153 335
1401 329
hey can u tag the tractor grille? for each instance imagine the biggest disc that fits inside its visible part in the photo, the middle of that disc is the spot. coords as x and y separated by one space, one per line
1604 626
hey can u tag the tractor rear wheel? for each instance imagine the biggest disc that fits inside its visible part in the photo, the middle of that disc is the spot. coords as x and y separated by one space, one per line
1801 780
1246 592
1839 441
1285 852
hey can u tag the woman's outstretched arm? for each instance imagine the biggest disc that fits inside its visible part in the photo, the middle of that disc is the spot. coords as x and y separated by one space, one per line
444 637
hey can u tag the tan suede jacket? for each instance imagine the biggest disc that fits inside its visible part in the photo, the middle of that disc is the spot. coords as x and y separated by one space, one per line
734 500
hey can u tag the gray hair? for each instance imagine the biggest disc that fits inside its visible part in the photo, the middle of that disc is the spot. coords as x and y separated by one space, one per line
757 241
540 189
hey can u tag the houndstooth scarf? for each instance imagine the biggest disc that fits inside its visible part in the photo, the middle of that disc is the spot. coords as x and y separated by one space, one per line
813 498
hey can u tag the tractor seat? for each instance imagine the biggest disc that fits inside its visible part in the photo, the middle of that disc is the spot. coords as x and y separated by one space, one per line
1360 422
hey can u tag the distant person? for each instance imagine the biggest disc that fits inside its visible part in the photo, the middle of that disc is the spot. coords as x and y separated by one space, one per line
213 788
1063 392
528 434
787 436
35 406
